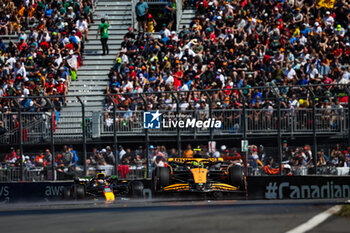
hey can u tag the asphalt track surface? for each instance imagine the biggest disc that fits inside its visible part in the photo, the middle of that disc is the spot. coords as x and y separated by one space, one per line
153 216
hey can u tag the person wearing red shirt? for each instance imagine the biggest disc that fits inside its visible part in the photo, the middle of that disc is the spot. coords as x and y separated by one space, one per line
44 45
338 52
178 75
62 89
69 46
22 44
9 158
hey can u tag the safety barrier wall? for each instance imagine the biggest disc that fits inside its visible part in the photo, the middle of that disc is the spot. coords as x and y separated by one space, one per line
259 187
31 191
298 187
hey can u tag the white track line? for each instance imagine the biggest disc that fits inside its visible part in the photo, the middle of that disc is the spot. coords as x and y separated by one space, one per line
316 220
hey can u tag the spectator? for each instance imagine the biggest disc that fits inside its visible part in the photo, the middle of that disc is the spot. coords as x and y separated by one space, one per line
151 24
141 10
109 156
286 152
170 12
173 153
3 129
103 31
48 156
129 157
67 156
121 152
11 157
262 154
188 153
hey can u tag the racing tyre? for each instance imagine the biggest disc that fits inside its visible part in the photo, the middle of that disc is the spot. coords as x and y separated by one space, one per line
136 189
66 193
161 178
236 177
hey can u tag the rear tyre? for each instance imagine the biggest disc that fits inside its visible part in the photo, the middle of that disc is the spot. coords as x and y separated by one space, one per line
161 178
136 189
236 177
66 193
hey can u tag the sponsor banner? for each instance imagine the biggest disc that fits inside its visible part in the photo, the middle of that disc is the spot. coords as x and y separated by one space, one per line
298 187
31 191
157 120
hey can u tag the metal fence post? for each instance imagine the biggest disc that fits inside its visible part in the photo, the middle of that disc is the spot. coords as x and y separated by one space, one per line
314 146
243 114
279 138
20 139
84 133
146 139
115 136
21 143
210 115
52 125
178 133
348 116
279 133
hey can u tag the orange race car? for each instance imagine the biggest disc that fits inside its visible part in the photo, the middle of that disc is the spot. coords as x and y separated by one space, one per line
213 176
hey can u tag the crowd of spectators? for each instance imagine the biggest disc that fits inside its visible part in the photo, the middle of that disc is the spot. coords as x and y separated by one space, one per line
274 45
296 160
46 52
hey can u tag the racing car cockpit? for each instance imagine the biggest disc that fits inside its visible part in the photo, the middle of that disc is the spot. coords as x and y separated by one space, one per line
100 179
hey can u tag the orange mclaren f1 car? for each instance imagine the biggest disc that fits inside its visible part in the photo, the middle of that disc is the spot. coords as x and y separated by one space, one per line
211 176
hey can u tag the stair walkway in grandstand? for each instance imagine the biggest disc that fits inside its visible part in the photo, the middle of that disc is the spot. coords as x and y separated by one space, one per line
93 75
187 16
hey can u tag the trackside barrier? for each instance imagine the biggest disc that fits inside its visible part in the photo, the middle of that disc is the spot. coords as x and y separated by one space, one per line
32 191
32 174
298 187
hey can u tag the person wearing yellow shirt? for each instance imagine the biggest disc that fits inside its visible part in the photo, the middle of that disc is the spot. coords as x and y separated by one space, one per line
151 23
21 10
30 11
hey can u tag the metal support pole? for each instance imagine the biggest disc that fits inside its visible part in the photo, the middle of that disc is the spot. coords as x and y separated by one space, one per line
210 115
84 133
243 120
178 132
115 135
21 143
146 139
314 136
279 138
52 125
348 116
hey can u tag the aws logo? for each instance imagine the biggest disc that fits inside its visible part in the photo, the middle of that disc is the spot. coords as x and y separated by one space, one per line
4 191
53 191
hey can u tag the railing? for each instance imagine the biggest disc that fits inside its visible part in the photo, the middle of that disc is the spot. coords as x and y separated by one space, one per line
304 171
35 127
30 174
258 122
